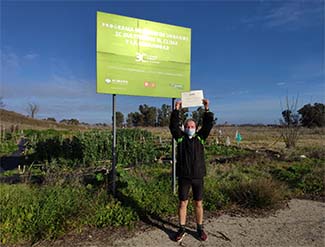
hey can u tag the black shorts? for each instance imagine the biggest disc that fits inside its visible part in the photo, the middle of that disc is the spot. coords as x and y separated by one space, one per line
184 185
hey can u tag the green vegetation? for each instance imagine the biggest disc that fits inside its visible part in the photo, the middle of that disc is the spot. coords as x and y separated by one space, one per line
225 151
68 199
30 213
8 143
134 146
305 177
8 147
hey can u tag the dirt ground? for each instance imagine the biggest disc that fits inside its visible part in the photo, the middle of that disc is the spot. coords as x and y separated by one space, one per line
301 223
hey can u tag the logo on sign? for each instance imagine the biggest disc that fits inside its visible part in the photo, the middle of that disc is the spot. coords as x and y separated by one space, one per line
145 58
149 84
116 81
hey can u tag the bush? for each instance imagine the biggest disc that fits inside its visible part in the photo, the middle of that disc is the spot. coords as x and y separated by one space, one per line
314 182
257 193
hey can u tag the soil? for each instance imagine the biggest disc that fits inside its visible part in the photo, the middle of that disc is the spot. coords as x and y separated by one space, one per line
300 223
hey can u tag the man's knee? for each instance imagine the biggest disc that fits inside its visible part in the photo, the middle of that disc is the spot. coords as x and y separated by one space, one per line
198 204
183 204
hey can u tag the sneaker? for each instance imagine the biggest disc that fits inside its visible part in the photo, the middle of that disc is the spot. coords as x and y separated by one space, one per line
180 235
202 235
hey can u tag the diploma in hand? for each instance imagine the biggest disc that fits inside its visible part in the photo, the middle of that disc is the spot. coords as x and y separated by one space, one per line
192 98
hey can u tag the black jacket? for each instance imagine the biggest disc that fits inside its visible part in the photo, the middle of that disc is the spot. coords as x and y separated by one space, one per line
190 152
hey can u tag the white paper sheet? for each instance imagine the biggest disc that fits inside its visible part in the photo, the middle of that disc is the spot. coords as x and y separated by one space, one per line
192 98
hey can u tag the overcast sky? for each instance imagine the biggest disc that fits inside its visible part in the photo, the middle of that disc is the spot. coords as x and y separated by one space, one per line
246 56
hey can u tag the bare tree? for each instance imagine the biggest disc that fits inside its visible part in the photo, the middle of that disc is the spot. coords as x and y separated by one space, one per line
32 109
290 130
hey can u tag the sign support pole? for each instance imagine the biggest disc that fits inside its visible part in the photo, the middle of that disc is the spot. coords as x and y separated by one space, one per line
173 156
114 146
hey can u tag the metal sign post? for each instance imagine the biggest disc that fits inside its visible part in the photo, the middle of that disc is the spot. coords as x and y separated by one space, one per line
173 156
114 146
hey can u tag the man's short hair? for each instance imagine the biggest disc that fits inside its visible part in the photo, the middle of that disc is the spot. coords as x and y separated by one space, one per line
188 120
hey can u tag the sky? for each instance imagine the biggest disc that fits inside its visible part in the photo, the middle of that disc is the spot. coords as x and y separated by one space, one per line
247 56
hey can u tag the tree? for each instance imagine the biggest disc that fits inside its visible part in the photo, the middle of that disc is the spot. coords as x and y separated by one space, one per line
197 115
119 119
134 119
149 114
183 114
164 115
32 109
71 121
312 115
51 119
290 123
290 118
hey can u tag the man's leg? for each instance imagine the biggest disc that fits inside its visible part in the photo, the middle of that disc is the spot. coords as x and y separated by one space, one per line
183 190
197 187
199 212
182 211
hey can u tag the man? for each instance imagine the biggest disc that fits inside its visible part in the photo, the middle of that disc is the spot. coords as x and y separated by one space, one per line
190 166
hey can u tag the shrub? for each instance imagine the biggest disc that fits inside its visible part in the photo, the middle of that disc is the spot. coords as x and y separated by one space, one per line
314 182
257 193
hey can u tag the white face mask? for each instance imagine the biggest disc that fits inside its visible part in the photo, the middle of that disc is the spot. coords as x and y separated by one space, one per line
190 132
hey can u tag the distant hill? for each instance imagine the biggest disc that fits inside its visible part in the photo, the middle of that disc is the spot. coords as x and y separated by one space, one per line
10 119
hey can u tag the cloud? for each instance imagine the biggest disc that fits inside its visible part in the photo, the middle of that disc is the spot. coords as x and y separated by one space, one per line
241 92
281 84
30 56
9 60
289 14
55 87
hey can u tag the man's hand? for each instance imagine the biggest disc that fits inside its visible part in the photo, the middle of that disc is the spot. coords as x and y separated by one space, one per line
178 105
206 104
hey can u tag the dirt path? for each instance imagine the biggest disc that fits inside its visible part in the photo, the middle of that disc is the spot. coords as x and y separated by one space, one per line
302 223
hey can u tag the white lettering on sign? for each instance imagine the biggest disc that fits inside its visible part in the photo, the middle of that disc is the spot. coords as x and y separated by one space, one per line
146 37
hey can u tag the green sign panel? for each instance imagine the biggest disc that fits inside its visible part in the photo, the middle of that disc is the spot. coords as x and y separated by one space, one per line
144 58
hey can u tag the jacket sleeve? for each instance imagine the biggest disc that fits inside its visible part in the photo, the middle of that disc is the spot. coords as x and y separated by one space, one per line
207 124
174 125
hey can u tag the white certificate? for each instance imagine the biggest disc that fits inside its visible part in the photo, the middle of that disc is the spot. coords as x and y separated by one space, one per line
192 98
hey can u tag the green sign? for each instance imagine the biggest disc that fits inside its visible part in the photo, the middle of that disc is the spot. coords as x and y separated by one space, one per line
144 58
